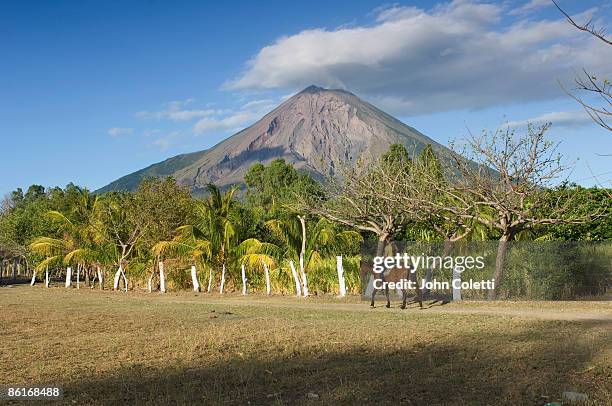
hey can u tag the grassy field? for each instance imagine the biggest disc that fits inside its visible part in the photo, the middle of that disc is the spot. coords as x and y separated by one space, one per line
136 348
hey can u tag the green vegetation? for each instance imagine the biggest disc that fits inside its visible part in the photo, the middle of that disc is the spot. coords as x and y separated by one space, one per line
290 227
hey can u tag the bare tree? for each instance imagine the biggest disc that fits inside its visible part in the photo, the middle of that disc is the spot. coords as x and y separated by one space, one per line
597 32
418 193
355 200
590 84
502 180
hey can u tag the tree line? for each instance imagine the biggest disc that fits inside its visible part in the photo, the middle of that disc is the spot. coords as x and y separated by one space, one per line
284 229
151 235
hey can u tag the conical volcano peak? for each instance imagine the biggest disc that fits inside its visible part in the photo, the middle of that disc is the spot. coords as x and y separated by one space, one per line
313 89
317 130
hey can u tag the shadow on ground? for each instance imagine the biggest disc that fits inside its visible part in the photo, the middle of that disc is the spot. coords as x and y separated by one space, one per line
466 373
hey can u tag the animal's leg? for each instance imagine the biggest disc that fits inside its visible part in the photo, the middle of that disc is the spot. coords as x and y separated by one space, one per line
387 294
418 297
404 296
373 294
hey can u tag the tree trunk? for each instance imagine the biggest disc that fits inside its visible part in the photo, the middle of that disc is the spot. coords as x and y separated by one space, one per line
222 279
380 251
302 255
244 281
15 268
68 277
382 244
117 276
194 279
33 278
78 276
100 278
209 279
87 277
304 282
341 281
267 271
162 277
47 277
298 289
500 261
303 225
456 282
125 281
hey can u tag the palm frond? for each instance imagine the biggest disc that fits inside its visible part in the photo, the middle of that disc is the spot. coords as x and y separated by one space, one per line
49 261
79 254
256 261
47 246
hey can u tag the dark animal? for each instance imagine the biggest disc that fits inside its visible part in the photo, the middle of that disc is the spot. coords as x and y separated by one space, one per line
393 275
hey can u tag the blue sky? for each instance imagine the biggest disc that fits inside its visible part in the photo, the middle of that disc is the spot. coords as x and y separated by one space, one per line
90 91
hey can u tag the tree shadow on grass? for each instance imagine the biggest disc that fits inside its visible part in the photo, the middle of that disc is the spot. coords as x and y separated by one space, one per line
7 281
531 366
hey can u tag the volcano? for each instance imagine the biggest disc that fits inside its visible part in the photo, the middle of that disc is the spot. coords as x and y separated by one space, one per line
317 130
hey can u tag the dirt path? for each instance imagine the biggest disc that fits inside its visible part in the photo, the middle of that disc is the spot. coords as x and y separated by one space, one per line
598 311
569 311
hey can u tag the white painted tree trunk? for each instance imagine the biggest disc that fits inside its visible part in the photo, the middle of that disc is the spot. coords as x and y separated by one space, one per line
100 278
457 282
222 279
303 275
304 279
162 277
33 278
267 271
68 277
78 276
117 276
209 280
298 289
194 279
125 281
47 277
244 281
341 280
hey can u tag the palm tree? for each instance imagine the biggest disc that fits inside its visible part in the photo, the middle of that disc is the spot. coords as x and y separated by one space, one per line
213 240
308 245
257 255
216 223
188 245
53 249
81 243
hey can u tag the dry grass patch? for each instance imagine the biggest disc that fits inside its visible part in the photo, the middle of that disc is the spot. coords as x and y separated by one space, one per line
106 347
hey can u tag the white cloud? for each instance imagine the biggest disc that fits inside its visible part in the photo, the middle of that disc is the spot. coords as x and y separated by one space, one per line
176 111
574 118
457 55
209 120
229 121
118 132
165 141
531 6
